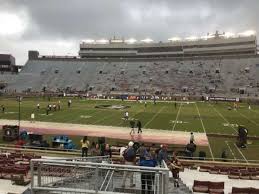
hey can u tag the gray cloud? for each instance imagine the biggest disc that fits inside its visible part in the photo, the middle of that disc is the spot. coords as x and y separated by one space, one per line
65 20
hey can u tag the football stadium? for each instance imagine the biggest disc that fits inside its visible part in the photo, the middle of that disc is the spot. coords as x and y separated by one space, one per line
129 115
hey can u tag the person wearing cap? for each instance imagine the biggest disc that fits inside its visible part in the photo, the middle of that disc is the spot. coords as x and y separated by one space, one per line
162 154
130 159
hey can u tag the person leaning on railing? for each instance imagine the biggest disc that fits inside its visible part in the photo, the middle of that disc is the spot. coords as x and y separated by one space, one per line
175 166
162 154
129 156
147 178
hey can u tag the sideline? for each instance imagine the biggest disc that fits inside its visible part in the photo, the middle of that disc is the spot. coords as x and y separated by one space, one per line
204 129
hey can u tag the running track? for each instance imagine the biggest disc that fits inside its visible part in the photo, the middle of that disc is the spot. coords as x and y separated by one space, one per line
122 133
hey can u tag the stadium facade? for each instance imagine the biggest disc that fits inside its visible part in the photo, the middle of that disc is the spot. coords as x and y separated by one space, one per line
208 46
214 65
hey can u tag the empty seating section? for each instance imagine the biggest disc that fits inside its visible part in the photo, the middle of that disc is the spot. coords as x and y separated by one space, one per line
198 76
15 166
247 173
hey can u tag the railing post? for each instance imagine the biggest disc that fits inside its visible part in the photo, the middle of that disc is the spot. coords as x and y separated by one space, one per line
32 176
96 179
157 185
166 182
39 174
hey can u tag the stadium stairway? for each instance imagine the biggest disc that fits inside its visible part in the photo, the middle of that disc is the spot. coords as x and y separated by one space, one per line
182 189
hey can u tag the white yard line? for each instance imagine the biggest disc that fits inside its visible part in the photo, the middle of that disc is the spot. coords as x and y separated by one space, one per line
154 116
231 151
223 117
102 119
176 119
240 152
247 118
204 129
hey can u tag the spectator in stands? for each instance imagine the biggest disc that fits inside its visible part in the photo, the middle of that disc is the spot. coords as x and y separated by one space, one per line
141 151
147 178
139 126
122 149
162 155
175 167
107 151
153 151
190 149
98 149
93 150
157 150
130 159
102 148
85 145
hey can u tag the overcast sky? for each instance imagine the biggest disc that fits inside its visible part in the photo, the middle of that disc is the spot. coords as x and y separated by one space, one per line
58 26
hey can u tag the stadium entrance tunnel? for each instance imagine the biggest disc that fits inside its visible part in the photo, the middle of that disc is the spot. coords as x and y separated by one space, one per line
109 106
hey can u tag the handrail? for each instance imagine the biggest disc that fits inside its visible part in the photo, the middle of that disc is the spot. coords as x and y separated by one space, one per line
47 182
49 161
40 151
40 148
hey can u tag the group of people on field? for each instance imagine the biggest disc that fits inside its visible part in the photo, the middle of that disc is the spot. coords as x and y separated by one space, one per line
134 123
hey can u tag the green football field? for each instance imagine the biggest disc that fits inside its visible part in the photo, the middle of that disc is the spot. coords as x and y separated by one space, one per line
179 116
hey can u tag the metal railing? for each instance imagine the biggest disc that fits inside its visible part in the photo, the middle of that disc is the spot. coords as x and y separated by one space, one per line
92 175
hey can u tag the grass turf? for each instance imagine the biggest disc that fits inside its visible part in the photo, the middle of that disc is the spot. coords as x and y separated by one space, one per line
197 117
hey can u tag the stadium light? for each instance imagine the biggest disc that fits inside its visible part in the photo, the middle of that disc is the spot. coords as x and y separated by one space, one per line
229 35
248 33
147 40
102 41
131 41
117 41
174 39
208 37
88 41
191 38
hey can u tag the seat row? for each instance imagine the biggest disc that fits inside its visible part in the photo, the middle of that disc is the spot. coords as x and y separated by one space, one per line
208 187
250 173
